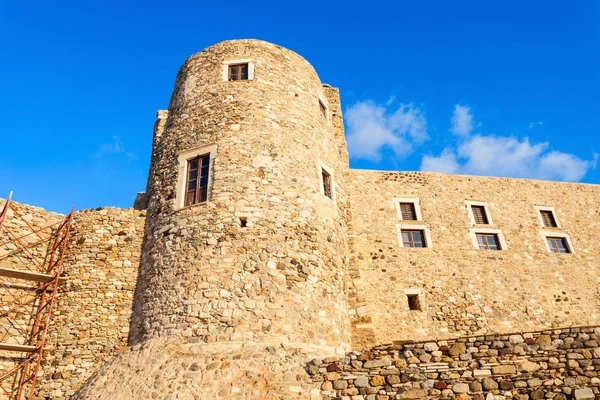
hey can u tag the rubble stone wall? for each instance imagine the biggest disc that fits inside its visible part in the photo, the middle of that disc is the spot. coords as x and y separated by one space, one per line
464 290
556 364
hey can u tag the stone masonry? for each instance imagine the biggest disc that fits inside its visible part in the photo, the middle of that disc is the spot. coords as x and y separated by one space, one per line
273 288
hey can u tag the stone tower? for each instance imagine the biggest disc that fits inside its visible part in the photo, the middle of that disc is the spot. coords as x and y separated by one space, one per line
245 245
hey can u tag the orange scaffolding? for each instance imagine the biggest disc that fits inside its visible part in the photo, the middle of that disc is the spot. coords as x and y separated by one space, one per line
30 272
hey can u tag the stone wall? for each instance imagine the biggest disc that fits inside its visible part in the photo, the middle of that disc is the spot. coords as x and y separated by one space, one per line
92 309
558 364
464 290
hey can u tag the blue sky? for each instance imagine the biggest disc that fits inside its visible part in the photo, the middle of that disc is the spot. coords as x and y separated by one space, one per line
506 88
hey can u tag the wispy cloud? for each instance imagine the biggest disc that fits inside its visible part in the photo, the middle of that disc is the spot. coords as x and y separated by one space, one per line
109 149
462 121
373 128
534 124
503 155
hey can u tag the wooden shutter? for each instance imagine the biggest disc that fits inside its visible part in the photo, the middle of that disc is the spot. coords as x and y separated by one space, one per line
479 215
408 211
548 219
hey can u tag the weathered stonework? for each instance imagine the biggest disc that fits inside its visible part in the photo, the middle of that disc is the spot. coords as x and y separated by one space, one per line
235 296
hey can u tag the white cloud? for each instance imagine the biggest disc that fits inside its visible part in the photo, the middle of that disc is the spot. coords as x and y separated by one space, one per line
108 149
462 121
533 124
446 163
373 128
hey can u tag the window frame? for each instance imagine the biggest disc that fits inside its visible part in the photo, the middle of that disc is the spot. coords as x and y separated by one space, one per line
414 200
234 62
182 172
539 210
486 208
323 105
414 227
412 292
473 232
557 235
322 168
197 191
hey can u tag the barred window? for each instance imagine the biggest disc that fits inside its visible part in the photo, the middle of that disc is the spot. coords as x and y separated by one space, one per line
479 215
238 72
548 219
197 180
413 238
408 211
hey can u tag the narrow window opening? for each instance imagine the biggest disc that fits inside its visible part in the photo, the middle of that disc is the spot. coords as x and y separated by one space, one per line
326 183
548 219
238 72
243 222
323 109
488 241
408 211
479 215
558 245
414 304
197 180
412 238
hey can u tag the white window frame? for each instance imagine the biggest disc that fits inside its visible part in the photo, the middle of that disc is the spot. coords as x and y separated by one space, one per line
548 234
486 207
416 292
326 105
487 231
227 63
539 210
413 200
182 159
414 227
320 167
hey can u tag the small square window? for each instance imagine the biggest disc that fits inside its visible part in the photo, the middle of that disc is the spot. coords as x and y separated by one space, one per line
408 211
558 245
548 219
327 191
479 215
488 241
238 72
413 238
414 304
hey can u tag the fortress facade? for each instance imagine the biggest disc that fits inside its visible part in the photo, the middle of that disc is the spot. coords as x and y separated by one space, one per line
258 265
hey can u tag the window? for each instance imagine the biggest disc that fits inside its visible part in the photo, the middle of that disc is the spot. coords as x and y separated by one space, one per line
323 108
548 219
412 238
408 211
413 302
238 72
487 241
479 215
197 180
326 183
195 175
558 245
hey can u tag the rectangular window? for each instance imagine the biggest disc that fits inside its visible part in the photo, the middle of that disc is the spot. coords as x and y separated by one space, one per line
323 109
488 241
558 245
479 215
197 180
548 219
412 238
408 211
327 183
238 72
413 302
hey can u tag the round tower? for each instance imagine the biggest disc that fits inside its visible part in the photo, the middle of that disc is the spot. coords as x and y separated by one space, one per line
245 237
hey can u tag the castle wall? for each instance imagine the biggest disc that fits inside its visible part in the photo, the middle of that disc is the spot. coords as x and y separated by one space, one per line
556 364
464 290
92 310
280 279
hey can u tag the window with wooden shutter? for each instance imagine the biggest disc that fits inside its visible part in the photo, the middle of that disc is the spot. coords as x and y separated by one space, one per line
548 219
327 183
408 211
197 180
479 215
